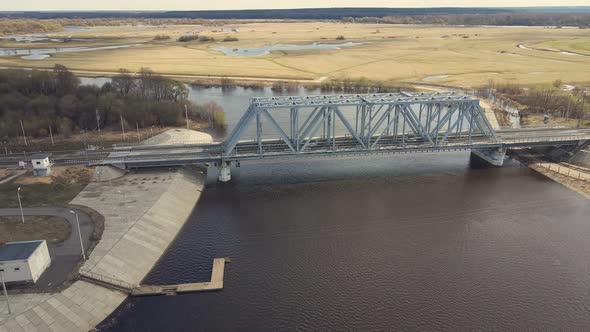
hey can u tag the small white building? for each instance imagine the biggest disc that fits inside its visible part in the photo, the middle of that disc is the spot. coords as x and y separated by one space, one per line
41 164
24 262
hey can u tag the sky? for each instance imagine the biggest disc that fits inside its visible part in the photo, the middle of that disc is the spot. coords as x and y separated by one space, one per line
40 5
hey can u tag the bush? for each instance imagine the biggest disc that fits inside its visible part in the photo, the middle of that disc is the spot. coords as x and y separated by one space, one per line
340 38
205 39
161 37
188 38
230 39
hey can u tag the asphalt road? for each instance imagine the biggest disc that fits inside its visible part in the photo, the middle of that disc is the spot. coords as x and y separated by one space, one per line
64 255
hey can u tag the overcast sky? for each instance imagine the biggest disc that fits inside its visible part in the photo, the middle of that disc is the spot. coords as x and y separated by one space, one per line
7 5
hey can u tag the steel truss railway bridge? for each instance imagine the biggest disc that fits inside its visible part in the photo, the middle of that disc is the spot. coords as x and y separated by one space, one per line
336 125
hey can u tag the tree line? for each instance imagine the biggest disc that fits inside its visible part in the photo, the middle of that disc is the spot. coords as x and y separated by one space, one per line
548 99
540 18
56 102
22 26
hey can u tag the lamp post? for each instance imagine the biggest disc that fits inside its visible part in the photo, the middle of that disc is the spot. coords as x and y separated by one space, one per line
79 234
5 292
20 204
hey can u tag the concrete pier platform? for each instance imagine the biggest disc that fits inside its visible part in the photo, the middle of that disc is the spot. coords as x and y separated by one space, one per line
215 283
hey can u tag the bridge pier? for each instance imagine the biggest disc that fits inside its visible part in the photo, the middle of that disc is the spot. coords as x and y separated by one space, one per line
224 171
493 156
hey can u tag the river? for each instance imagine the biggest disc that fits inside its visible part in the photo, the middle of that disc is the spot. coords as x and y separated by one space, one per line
403 242
409 242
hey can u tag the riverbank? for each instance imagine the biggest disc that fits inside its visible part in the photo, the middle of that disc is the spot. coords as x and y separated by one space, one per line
188 78
571 176
143 212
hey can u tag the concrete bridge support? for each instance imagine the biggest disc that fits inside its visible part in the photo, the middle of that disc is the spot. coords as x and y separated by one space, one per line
224 171
493 156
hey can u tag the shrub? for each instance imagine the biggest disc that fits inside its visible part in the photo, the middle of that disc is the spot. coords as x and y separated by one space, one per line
230 39
187 38
205 39
161 37
340 37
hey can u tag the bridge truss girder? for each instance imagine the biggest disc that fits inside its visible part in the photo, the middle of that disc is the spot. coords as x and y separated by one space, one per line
369 121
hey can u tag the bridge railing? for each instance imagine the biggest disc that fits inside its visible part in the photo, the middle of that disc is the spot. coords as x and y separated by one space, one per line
107 280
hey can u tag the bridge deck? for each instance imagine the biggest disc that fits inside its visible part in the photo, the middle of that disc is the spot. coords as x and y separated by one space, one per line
173 155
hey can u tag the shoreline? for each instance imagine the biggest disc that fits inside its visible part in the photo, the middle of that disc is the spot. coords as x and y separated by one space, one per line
568 177
186 78
564 180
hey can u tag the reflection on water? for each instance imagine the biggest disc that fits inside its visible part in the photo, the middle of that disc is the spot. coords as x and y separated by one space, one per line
37 37
263 50
405 242
234 101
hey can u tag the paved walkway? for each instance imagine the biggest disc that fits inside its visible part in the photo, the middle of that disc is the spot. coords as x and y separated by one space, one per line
12 177
65 255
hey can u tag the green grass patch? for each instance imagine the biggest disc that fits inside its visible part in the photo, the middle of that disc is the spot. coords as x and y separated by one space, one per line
60 192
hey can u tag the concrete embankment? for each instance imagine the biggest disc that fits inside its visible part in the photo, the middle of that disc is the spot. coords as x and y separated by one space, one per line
143 211
570 175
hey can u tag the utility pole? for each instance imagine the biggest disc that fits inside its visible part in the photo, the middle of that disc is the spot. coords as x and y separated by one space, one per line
5 292
24 134
138 136
122 127
97 121
186 113
83 133
20 205
51 135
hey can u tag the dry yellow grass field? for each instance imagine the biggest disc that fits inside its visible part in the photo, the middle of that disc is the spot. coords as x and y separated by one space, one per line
469 56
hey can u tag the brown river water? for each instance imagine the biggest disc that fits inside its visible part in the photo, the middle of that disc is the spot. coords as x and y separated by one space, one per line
403 242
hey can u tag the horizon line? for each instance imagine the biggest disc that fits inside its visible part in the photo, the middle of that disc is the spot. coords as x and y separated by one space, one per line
294 8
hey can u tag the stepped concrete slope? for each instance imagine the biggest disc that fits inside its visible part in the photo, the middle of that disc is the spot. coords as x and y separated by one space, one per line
582 158
143 213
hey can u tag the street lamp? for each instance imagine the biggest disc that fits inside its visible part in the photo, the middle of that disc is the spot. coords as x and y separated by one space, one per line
79 234
20 204
5 292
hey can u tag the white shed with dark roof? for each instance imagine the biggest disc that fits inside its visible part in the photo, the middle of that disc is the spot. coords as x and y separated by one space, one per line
24 262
